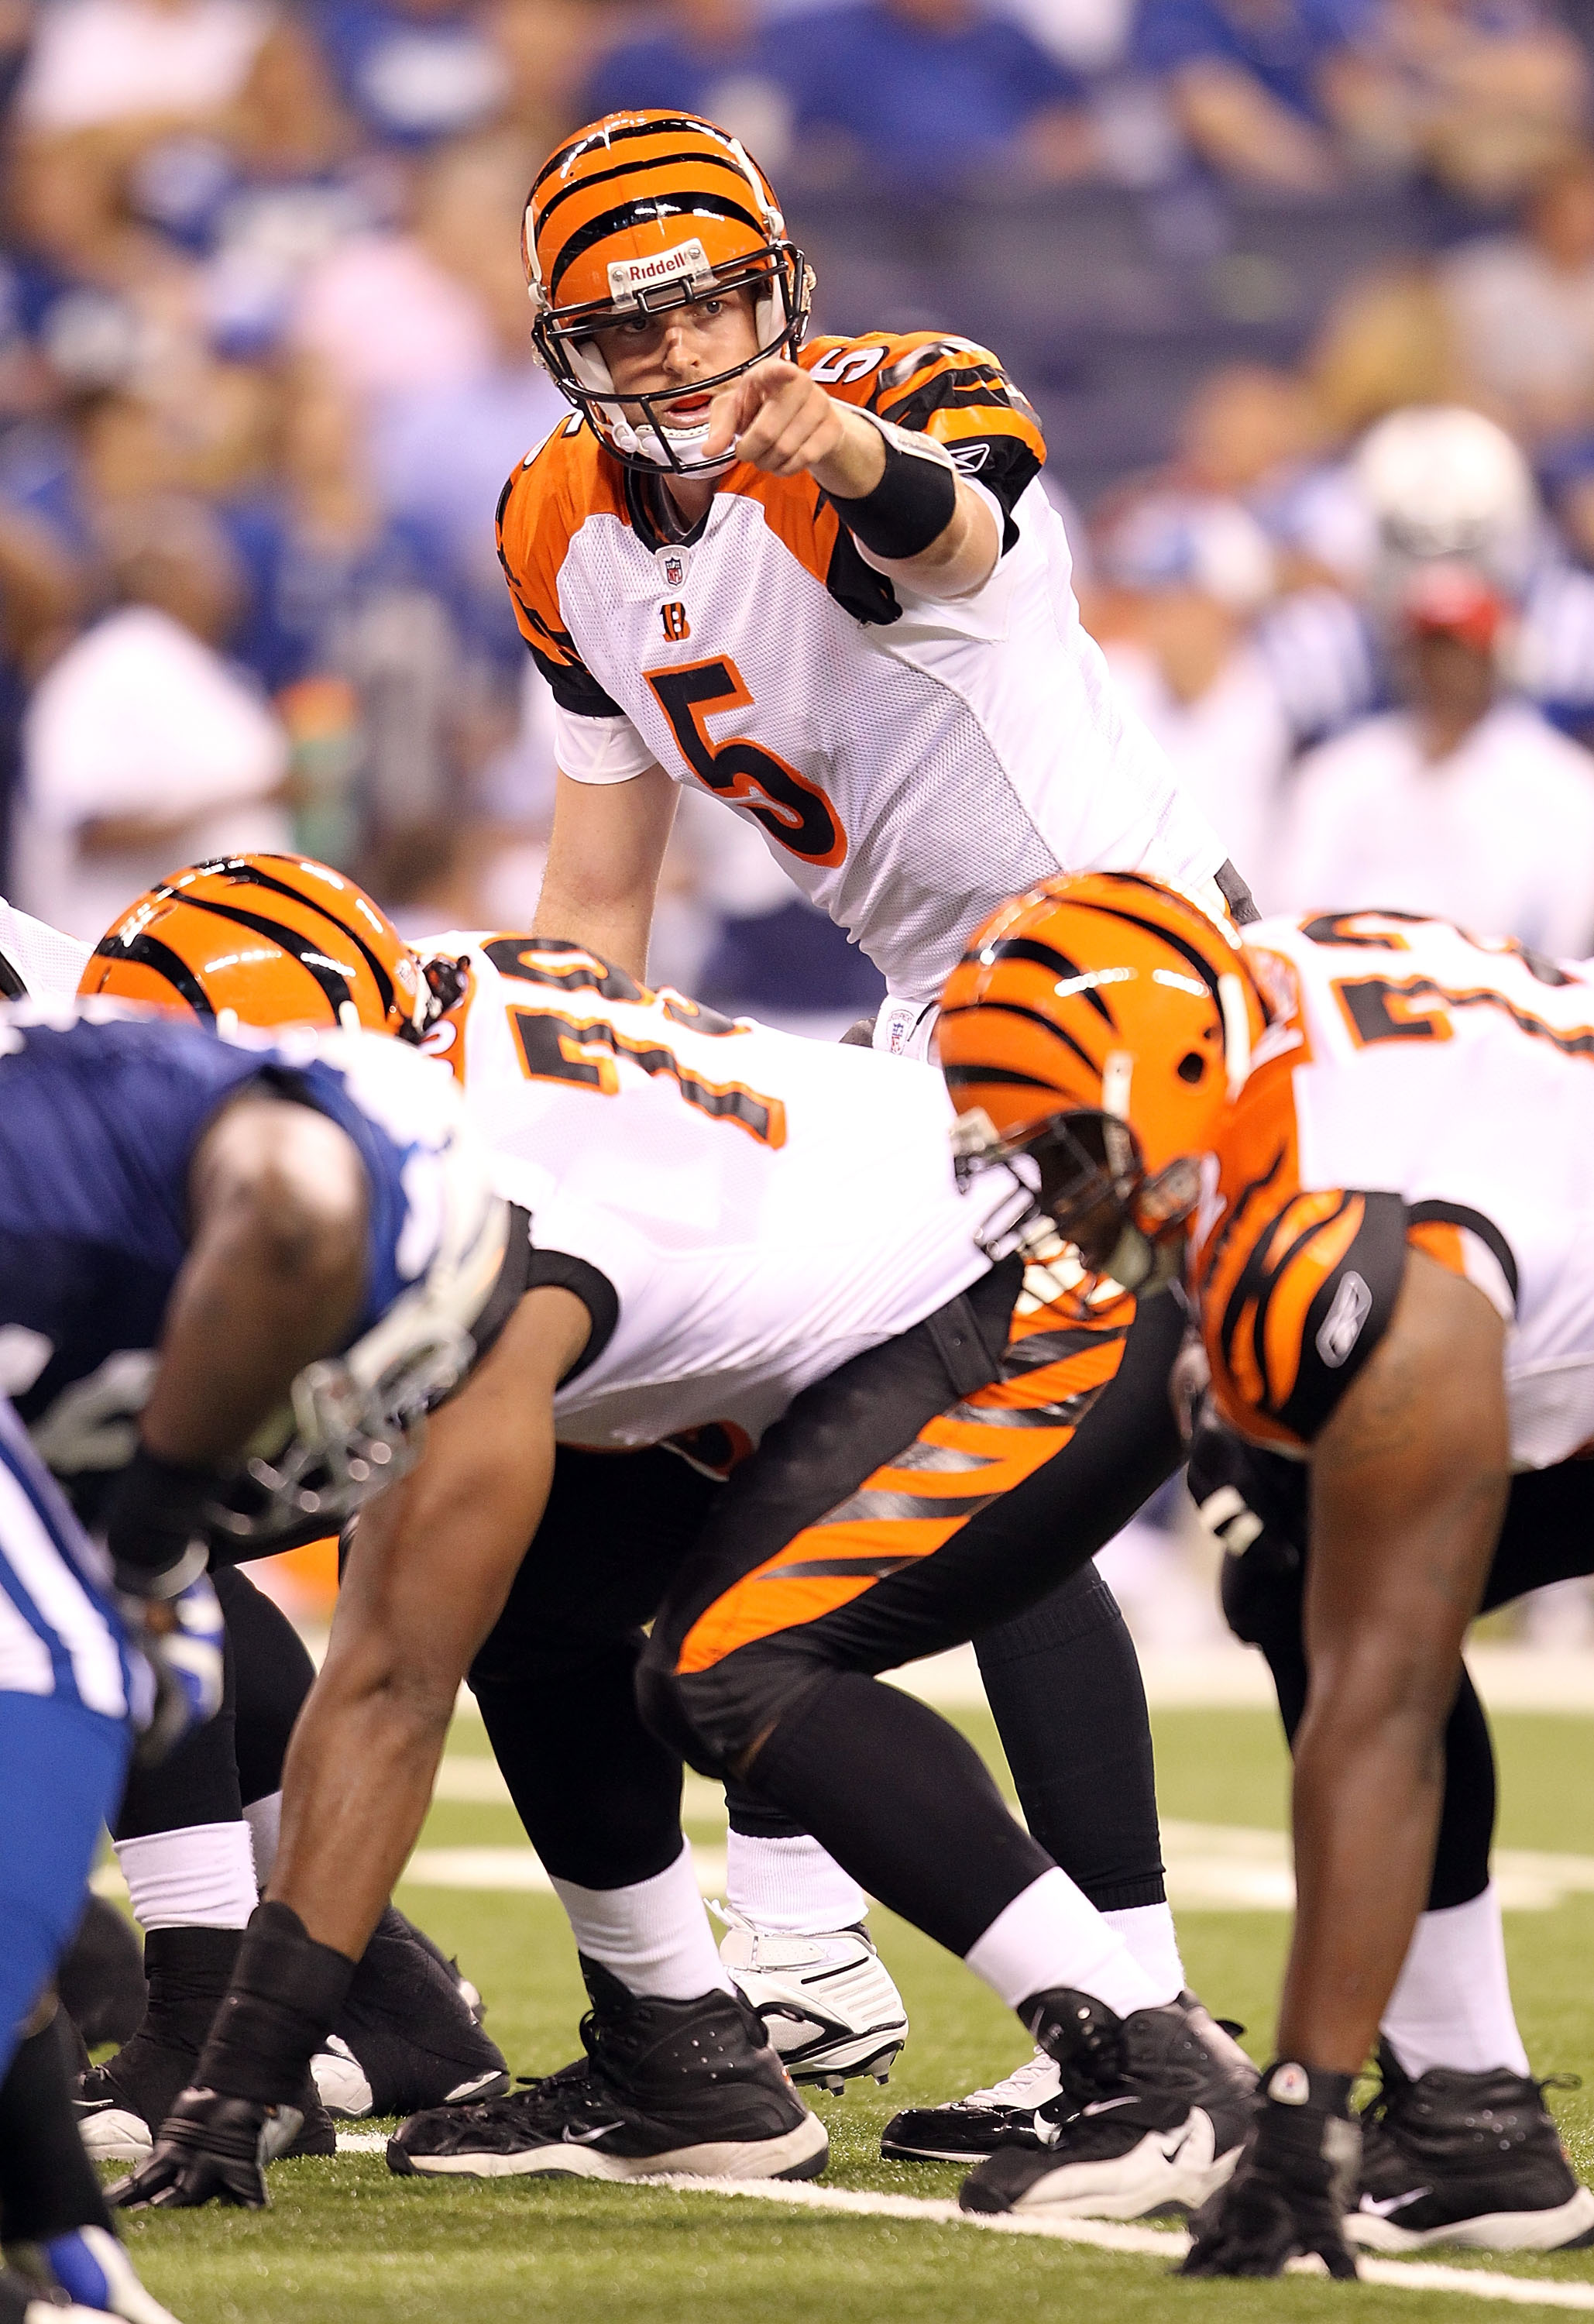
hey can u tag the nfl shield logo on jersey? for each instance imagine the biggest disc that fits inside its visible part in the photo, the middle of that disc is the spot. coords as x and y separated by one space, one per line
675 568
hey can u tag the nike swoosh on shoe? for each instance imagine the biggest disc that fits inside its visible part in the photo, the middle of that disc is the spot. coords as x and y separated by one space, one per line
1384 2207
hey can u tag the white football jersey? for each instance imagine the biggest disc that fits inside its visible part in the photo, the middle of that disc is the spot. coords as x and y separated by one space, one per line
48 960
1423 1089
746 1209
910 762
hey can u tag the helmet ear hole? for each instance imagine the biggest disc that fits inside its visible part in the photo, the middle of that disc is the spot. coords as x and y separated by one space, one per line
1191 1066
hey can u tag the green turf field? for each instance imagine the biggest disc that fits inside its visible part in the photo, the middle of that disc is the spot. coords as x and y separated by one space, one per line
345 2243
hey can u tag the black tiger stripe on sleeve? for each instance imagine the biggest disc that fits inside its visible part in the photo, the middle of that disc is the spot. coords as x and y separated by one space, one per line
959 394
530 529
1307 1309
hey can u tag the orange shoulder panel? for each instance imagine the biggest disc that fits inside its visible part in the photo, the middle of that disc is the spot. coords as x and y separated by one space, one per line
795 510
948 388
547 498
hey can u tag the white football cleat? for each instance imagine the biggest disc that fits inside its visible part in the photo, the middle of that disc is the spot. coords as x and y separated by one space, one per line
340 2079
829 2002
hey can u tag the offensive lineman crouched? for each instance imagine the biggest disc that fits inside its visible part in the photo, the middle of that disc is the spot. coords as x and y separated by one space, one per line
1392 1286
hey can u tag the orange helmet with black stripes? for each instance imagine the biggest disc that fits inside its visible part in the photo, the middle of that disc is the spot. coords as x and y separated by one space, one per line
640 212
1099 1025
265 940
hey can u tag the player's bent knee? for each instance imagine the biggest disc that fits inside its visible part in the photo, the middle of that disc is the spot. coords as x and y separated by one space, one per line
668 1707
718 1719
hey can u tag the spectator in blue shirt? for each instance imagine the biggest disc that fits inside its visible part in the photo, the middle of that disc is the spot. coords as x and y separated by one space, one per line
710 57
923 92
412 71
1251 81
932 92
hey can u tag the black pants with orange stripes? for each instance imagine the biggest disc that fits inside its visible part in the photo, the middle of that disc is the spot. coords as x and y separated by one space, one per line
930 1488
1261 1499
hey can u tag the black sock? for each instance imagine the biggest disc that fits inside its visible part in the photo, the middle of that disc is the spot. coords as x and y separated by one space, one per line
904 1803
1064 1688
47 2185
188 1971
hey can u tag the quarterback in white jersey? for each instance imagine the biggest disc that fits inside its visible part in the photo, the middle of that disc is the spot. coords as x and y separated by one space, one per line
1370 1135
821 582
823 585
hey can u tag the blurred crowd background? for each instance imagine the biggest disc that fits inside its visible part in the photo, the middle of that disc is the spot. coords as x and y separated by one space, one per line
1301 289
264 368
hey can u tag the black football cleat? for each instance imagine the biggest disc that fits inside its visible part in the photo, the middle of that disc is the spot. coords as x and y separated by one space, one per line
666 2085
408 2035
1153 2112
967 2129
120 2105
1473 2158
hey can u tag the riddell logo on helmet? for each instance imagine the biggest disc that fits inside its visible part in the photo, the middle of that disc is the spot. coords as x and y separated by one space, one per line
629 277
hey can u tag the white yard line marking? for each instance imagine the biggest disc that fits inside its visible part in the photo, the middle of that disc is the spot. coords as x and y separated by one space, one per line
1211 1867
1099 2235
520 1869
1404 2275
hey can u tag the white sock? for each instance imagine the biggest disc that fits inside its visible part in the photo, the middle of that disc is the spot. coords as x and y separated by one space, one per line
1147 1930
1051 1934
201 1877
653 1936
1451 2003
789 1887
264 1819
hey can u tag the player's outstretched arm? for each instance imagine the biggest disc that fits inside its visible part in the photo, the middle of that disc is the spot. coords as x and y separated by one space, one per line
431 1564
273 1278
1409 1480
430 1567
604 859
901 499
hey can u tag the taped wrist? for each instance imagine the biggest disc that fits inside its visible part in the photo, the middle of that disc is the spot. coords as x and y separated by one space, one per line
286 1995
155 1526
913 503
1306 2128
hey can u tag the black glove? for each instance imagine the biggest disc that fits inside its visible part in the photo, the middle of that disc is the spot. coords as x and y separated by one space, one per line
1293 2185
209 2150
156 1523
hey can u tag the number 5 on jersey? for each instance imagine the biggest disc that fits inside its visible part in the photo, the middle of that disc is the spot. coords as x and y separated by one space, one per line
792 810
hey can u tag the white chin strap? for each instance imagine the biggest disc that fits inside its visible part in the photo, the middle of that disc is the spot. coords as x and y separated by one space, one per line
644 444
